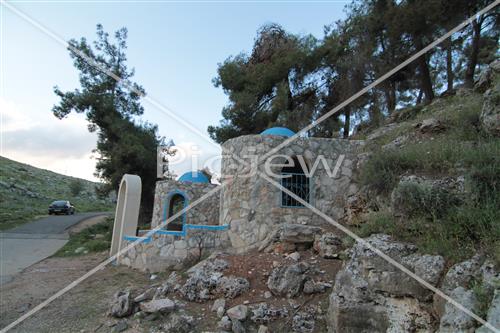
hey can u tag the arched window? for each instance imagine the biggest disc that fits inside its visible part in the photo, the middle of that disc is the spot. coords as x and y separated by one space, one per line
176 203
296 182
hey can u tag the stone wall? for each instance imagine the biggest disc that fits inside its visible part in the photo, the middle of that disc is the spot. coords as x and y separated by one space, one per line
165 252
252 206
206 212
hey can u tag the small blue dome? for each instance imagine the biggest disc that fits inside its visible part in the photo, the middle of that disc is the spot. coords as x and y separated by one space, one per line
194 177
280 131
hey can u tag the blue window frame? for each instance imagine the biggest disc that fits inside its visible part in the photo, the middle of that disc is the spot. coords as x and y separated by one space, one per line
176 201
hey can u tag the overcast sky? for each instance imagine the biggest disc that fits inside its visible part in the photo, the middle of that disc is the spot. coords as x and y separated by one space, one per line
174 47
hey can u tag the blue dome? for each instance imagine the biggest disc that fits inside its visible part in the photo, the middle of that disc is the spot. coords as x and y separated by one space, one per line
194 177
280 131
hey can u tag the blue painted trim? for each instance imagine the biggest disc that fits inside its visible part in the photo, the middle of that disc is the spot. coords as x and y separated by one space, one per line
166 206
207 227
144 240
171 232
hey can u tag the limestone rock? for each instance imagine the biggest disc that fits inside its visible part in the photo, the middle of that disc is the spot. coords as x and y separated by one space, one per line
219 303
493 316
263 329
120 326
121 305
311 287
459 275
299 233
145 296
225 324
288 280
237 326
490 276
454 319
163 305
238 312
263 313
430 125
232 286
388 298
490 112
179 323
328 245
303 322
486 77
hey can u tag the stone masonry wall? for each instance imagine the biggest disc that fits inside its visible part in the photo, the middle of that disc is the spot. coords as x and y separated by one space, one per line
174 252
206 212
252 206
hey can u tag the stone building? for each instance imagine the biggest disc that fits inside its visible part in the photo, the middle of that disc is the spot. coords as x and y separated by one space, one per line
319 171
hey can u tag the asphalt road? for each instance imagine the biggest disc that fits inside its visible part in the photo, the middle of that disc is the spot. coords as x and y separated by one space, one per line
23 246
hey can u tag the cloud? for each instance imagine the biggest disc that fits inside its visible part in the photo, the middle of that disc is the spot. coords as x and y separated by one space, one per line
38 138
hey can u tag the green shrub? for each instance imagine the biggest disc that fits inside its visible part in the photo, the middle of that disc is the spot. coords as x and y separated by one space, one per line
378 222
87 239
423 200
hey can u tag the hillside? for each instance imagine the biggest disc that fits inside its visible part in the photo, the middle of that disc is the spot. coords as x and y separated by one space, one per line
432 175
26 192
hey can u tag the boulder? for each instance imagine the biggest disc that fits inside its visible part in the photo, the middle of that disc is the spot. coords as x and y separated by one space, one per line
163 305
219 303
263 313
490 112
486 77
121 305
146 296
178 323
454 319
294 256
120 326
459 275
288 280
303 322
232 286
225 324
387 298
311 287
328 245
493 316
199 287
237 327
299 233
238 312
490 277
263 329
430 125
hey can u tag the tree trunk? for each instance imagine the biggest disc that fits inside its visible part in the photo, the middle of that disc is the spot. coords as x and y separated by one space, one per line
419 97
425 75
449 65
471 66
347 122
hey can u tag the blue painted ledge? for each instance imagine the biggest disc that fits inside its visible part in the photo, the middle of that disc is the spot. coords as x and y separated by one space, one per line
207 227
144 240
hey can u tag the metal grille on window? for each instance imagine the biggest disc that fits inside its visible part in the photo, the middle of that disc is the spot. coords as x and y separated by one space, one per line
298 184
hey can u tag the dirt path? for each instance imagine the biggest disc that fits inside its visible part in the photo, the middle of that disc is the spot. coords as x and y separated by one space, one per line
82 309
